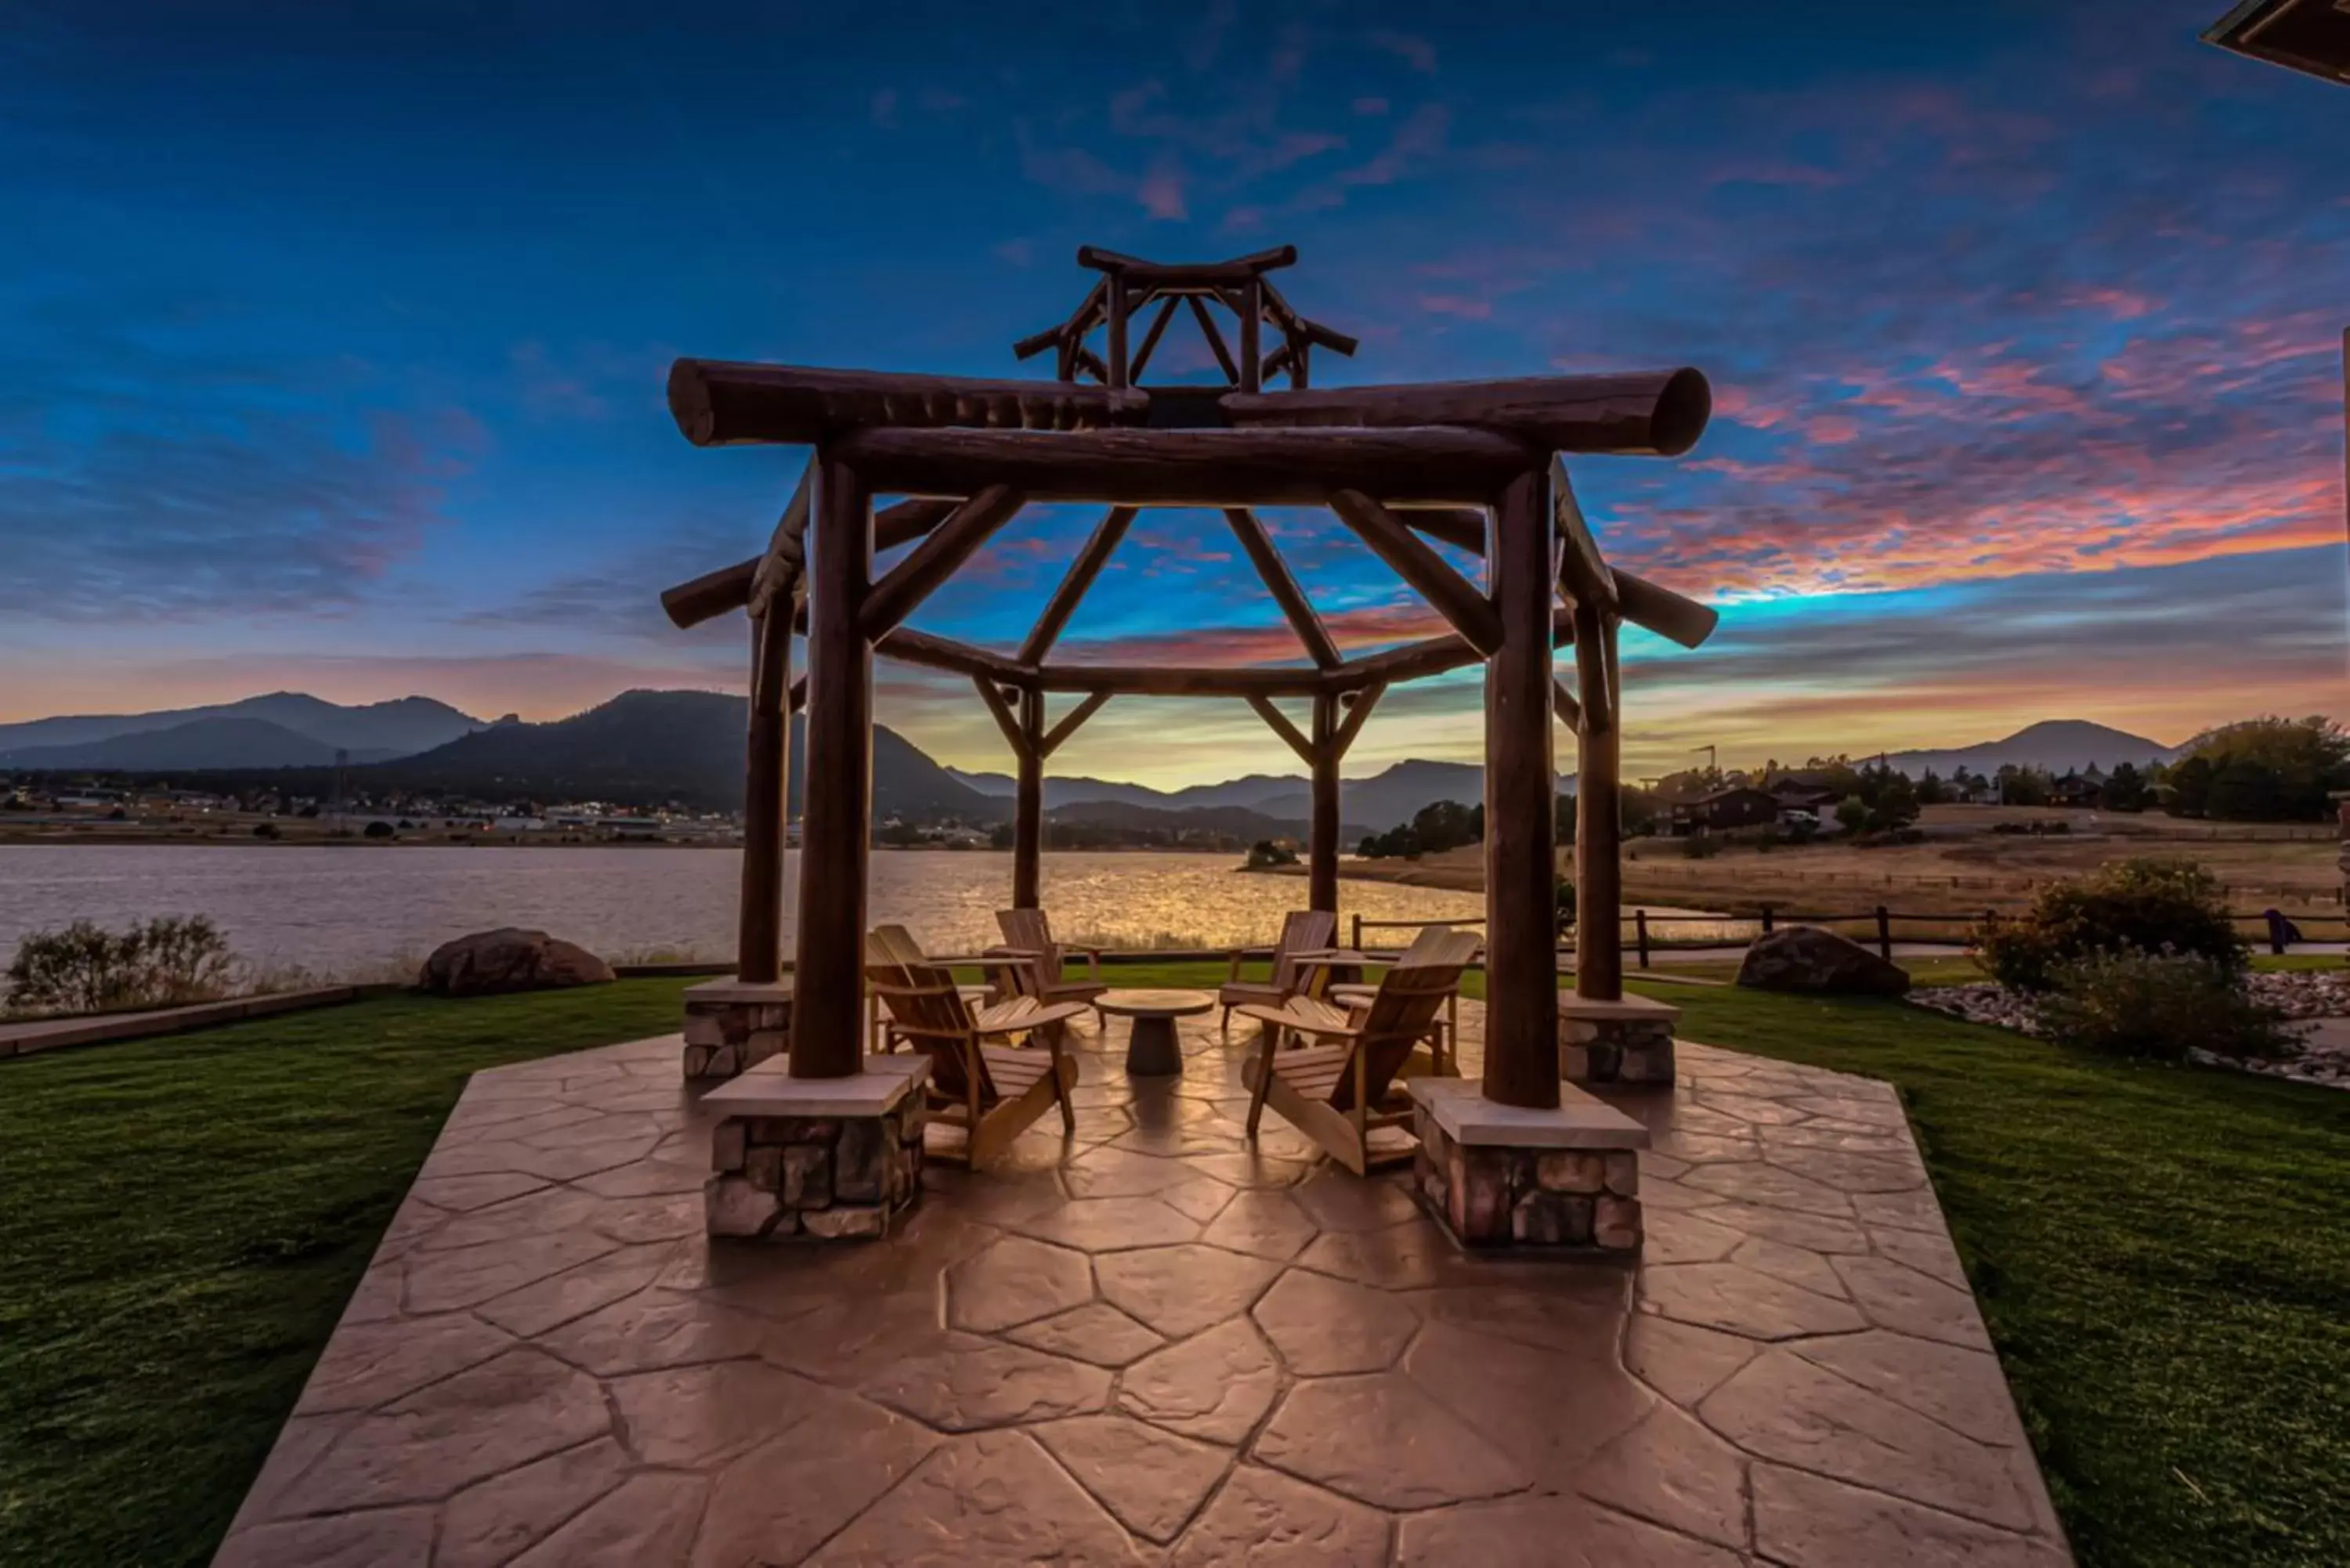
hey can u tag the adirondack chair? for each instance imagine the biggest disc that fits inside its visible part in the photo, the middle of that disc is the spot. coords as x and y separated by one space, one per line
881 1032
1028 931
1340 1090
1302 931
992 1091
1443 1035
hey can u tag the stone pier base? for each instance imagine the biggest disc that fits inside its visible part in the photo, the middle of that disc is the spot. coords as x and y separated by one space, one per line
1566 1180
1629 1041
733 1024
816 1159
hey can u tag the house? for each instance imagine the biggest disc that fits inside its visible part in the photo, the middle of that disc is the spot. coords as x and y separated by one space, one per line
2078 789
1804 792
1718 811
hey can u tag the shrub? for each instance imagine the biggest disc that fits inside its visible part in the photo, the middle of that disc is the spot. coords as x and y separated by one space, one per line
1563 902
378 830
85 969
2154 906
265 830
1700 847
2157 1006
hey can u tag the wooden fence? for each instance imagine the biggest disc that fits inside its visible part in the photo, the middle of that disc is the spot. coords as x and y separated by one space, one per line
1643 929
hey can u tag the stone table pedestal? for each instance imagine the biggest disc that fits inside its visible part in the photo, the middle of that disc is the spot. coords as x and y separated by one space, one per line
1627 1041
1563 1180
733 1024
820 1158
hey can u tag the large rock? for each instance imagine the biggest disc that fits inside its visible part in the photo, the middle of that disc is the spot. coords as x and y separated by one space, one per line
492 964
1806 959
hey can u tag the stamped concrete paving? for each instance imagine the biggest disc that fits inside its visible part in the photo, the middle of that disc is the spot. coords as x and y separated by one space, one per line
1152 1345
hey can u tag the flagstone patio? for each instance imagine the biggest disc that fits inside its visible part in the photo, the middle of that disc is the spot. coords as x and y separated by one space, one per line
1152 1345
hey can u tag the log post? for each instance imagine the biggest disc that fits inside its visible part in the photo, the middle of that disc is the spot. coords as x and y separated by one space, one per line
1252 313
837 794
1522 1056
1028 805
1322 839
1598 828
758 951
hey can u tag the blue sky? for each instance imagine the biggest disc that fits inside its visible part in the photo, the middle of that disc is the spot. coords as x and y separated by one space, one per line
334 344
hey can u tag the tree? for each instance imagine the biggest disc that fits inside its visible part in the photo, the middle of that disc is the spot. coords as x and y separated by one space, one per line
2023 786
2188 786
1932 791
2125 789
1851 813
2265 770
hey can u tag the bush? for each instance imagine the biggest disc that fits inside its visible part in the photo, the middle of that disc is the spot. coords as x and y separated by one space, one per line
2151 905
1700 847
83 969
1563 902
266 830
2157 1006
378 830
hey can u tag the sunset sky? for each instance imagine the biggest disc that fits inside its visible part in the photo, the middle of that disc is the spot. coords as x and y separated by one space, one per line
334 344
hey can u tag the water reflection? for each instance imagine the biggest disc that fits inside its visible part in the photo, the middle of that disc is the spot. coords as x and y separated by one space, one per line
356 909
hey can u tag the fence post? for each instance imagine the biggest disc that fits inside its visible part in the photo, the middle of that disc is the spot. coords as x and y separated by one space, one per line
1640 932
1766 920
1357 943
1884 934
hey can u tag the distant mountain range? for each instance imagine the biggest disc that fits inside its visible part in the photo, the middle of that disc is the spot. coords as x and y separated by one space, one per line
2059 745
645 748
282 730
1368 805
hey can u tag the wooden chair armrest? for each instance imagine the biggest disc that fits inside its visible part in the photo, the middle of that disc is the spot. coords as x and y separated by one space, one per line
1282 1018
1043 1018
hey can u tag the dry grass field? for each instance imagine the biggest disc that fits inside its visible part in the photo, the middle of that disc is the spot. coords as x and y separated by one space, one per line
1963 867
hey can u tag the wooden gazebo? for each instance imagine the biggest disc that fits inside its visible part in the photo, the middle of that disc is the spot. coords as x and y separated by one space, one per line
1475 466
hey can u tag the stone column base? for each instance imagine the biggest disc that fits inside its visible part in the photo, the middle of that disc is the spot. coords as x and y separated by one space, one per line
1565 1181
733 1024
1628 1040
820 1158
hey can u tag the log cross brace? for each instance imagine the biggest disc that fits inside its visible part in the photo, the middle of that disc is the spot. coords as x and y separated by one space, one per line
1043 742
1453 597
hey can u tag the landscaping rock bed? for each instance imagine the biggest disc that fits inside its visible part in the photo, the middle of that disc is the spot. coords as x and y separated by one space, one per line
2318 999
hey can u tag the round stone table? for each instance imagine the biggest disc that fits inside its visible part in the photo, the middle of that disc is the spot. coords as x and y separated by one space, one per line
1152 1051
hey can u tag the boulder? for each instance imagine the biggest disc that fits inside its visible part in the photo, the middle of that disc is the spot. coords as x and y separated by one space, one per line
493 963
1806 959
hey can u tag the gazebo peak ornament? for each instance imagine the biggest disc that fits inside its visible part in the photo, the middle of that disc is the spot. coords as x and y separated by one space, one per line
1477 465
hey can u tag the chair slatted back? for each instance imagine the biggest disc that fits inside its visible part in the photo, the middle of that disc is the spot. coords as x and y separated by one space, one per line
1031 931
1303 931
1409 998
928 1011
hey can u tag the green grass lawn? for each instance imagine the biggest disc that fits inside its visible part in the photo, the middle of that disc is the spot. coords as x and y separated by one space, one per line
181 1221
2163 1256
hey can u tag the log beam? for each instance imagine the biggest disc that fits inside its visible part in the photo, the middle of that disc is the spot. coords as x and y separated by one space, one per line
934 653
1322 829
711 595
837 794
1000 702
1190 467
1073 721
1433 656
1215 339
1452 595
1563 702
1598 830
1075 582
1250 530
721 403
1028 806
1583 574
1522 1057
1158 681
935 559
1278 722
1365 700
1657 413
767 773
909 520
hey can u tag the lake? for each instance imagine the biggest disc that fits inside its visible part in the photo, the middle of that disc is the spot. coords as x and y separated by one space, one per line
356 910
